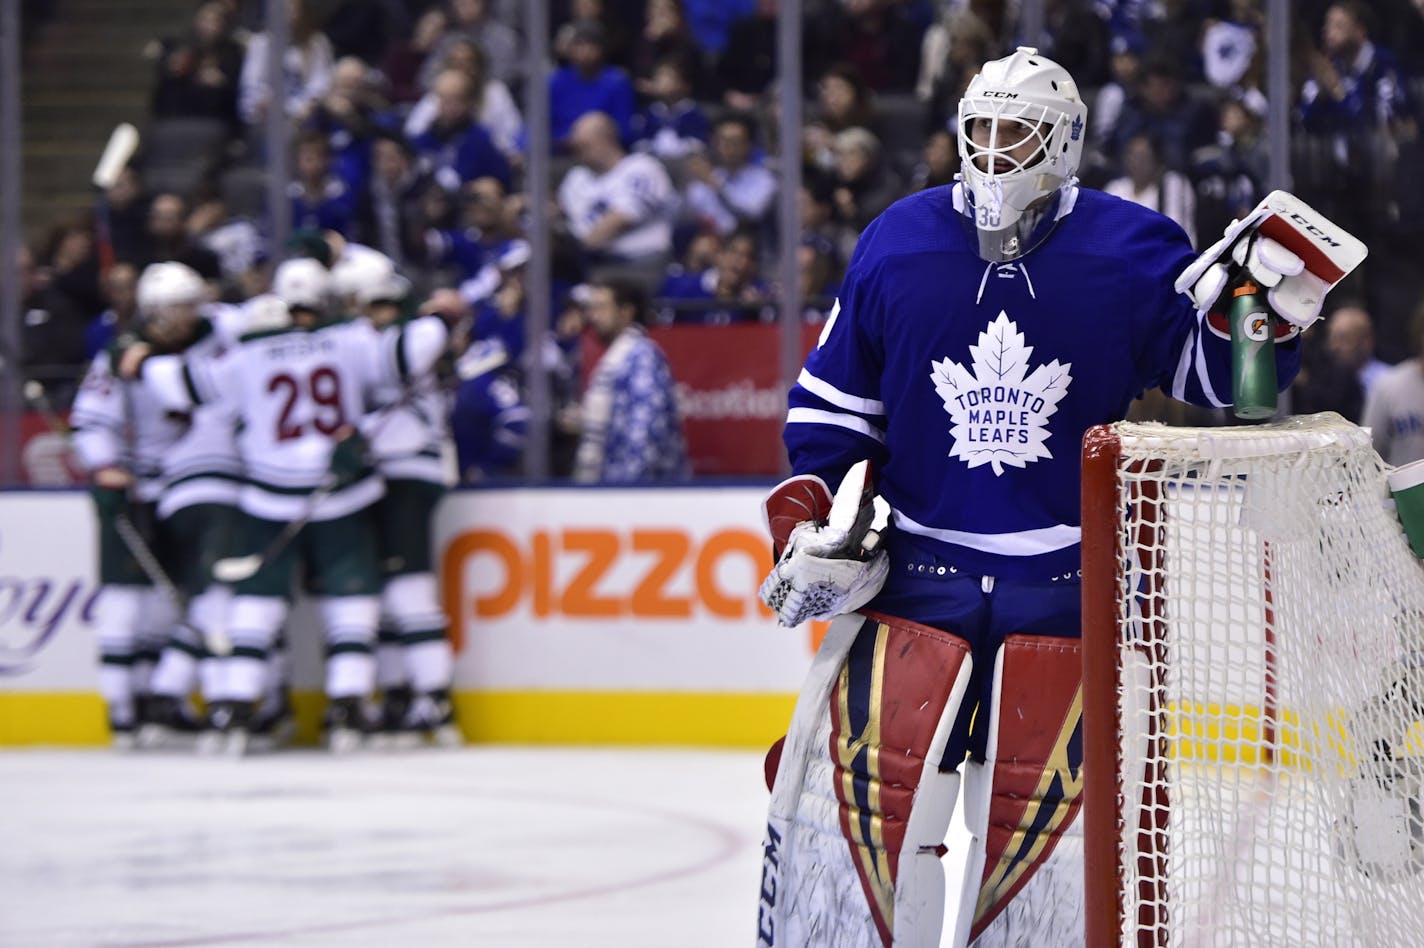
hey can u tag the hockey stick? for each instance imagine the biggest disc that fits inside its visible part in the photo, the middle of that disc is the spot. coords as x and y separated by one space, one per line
235 569
38 399
123 142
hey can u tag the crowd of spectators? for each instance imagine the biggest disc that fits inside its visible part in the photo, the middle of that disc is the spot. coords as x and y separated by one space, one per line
408 135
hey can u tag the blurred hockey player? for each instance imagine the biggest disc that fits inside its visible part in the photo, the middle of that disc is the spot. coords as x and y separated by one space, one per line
299 384
122 435
409 443
982 328
201 475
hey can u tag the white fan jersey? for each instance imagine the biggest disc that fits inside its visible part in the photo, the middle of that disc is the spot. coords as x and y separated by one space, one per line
638 187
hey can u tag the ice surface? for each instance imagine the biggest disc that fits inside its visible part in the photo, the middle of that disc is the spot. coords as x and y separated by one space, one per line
489 846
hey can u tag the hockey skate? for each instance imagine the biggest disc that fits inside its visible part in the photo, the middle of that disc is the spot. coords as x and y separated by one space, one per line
389 728
431 720
273 726
169 724
229 729
123 735
345 726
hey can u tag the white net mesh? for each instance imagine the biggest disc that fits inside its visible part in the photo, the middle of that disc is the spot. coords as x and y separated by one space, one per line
1271 659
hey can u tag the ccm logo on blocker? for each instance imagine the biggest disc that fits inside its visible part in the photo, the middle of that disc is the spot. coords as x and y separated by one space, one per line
600 573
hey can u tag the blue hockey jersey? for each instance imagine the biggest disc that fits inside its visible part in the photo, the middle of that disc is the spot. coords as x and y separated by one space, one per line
970 385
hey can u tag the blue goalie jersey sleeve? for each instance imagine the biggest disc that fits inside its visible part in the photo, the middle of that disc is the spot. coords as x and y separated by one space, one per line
970 385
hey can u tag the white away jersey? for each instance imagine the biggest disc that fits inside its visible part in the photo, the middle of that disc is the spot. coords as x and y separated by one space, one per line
123 424
293 391
409 431
202 466
970 385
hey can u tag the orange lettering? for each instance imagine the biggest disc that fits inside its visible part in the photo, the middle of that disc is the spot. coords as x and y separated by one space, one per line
671 547
533 574
543 574
457 554
752 545
579 598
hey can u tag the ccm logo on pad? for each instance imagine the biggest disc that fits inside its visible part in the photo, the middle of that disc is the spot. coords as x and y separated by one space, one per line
1314 231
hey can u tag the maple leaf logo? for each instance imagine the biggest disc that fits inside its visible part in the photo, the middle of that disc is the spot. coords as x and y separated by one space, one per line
1000 410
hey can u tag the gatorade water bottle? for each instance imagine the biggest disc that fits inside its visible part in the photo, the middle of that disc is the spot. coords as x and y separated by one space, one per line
1253 355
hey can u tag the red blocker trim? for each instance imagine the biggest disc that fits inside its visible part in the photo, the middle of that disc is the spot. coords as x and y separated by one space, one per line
1316 260
1038 776
887 704
793 501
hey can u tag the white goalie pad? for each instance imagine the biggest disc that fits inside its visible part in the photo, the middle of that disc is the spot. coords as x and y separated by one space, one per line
859 807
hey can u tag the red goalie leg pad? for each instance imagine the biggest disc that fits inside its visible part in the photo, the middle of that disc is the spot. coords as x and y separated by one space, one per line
890 715
1034 766
773 761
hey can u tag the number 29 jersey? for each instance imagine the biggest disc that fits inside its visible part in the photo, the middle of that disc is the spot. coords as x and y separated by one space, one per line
294 392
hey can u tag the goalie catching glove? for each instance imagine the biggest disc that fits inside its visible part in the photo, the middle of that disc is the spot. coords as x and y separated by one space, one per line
1283 245
831 562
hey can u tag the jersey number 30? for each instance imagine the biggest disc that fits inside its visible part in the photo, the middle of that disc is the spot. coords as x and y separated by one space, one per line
323 387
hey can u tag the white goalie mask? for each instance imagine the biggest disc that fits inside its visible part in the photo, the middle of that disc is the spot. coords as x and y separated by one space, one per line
1021 128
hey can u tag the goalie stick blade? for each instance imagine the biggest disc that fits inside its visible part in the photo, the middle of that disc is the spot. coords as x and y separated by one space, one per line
237 568
122 144
1329 251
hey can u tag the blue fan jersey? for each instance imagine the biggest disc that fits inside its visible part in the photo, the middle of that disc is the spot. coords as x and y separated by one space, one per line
970 385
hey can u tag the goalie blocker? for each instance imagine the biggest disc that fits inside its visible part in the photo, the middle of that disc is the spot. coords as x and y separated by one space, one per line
860 805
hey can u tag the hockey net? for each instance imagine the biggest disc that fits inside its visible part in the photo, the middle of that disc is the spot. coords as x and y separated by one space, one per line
1253 690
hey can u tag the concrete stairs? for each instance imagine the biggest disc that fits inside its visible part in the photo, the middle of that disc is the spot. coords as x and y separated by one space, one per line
84 72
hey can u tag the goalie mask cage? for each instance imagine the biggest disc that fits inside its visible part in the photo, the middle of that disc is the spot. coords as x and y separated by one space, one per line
1253 624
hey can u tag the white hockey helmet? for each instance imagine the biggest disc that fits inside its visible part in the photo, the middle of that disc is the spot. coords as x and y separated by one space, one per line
1034 143
303 283
168 295
265 312
368 278
162 285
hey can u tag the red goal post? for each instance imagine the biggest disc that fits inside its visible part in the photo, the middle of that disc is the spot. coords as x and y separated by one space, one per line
1253 648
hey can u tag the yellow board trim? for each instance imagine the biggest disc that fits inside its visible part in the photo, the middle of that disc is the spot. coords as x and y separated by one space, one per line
687 719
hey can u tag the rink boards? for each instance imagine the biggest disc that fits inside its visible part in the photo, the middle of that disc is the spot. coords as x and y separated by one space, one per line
580 616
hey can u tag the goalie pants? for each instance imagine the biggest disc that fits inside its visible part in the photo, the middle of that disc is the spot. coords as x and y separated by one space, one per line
983 612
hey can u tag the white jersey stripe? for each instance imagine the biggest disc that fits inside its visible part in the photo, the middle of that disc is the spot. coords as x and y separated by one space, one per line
1202 373
1022 543
815 416
827 392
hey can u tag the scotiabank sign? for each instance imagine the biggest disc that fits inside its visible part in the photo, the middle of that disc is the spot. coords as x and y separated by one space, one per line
730 393
613 588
